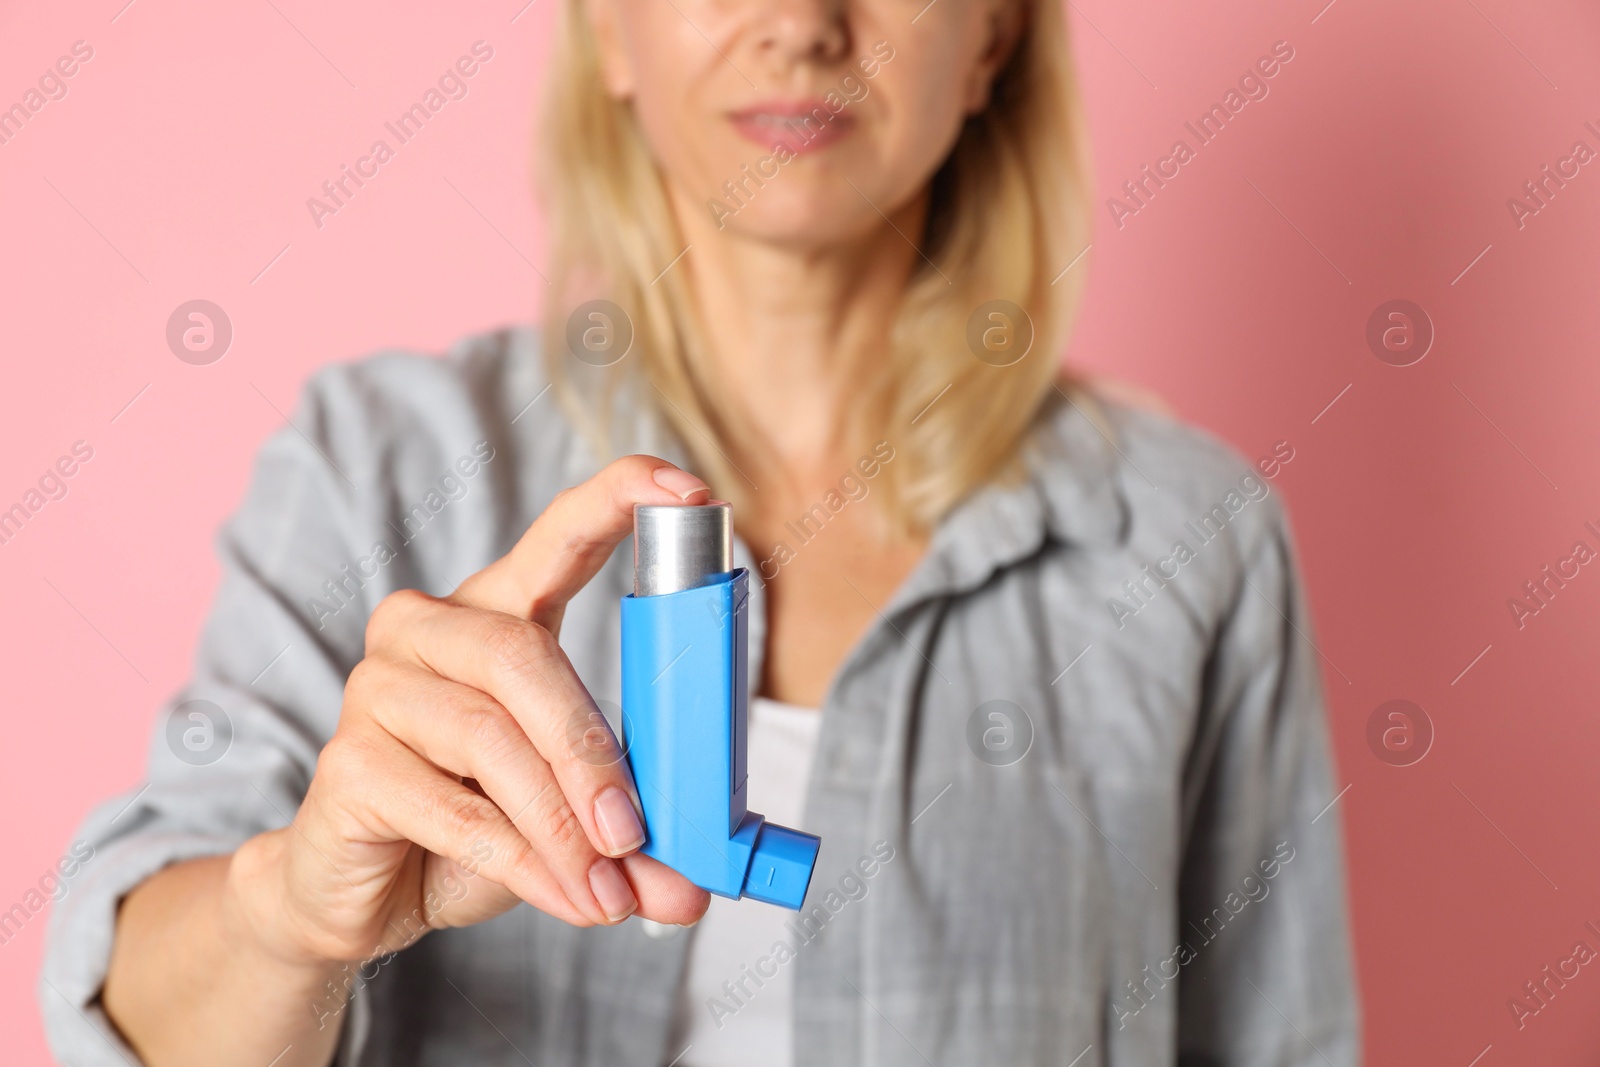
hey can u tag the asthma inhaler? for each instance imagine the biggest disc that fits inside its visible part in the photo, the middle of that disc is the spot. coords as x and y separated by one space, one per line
685 702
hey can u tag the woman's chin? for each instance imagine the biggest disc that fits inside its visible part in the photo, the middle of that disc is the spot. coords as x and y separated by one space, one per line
804 226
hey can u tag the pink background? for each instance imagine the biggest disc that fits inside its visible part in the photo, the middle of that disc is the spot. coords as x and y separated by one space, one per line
1381 162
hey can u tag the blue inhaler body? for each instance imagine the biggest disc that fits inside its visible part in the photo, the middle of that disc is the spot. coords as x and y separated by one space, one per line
685 704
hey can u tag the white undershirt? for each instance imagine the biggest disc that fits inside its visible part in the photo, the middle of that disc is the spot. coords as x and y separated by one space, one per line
735 933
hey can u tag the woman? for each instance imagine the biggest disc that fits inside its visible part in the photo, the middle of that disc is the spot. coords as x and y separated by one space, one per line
1070 777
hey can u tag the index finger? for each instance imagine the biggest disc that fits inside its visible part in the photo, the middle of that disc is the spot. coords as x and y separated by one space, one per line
568 544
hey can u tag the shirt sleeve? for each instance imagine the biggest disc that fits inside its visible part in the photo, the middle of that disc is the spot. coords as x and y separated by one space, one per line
233 752
1268 978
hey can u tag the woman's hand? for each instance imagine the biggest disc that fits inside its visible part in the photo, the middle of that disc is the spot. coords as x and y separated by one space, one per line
471 769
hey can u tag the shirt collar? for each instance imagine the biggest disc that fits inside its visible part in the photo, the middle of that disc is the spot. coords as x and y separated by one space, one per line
1069 490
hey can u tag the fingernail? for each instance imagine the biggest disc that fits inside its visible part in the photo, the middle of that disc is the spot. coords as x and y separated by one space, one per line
620 829
612 890
680 483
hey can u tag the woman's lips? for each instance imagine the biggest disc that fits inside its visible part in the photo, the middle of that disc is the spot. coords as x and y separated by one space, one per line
802 127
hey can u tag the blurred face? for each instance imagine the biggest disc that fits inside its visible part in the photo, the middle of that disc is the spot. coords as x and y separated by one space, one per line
763 114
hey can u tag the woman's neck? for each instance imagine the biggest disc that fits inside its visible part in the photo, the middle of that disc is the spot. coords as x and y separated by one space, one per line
793 332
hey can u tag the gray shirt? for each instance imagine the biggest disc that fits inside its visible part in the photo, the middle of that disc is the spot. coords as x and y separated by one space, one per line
1073 784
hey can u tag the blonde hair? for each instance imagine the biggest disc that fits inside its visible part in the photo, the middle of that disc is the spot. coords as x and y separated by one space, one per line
1008 213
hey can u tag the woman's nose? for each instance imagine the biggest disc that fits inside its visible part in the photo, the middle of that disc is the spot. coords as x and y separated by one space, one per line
803 29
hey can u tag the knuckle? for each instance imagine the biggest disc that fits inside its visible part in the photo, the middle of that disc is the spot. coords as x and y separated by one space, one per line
520 866
562 499
465 815
345 762
515 646
490 732
387 618
559 825
588 739
363 682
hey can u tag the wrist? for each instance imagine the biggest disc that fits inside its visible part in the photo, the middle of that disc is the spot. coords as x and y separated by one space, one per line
290 985
255 913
